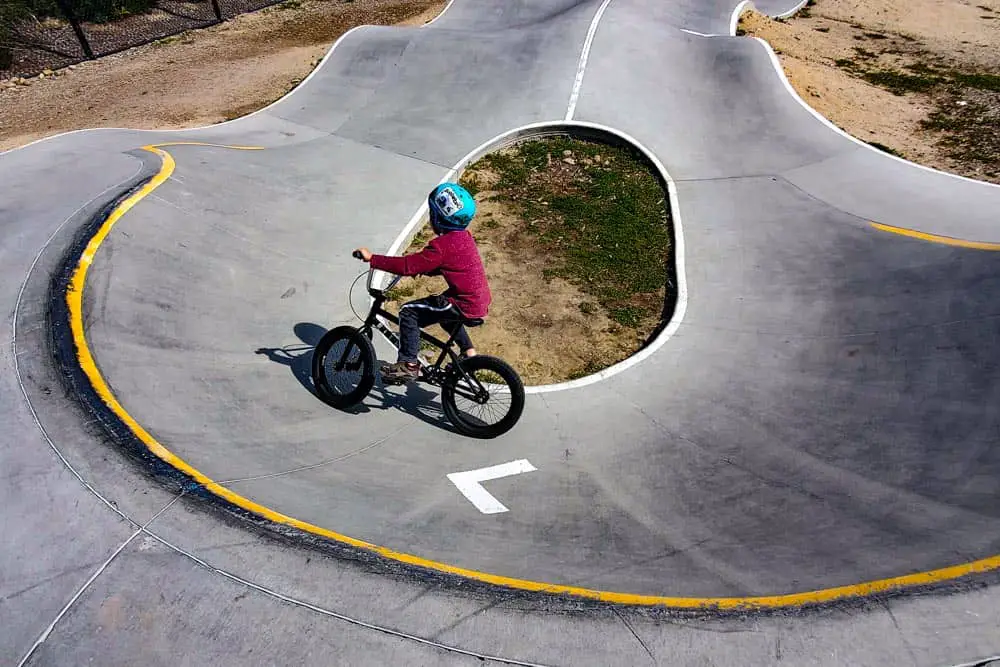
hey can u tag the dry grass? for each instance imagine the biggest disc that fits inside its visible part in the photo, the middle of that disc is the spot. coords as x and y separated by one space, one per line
915 78
580 272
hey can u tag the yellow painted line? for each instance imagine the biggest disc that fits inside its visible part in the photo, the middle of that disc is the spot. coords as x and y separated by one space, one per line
935 238
74 298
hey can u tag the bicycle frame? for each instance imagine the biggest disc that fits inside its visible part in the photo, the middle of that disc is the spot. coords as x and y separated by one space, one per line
432 373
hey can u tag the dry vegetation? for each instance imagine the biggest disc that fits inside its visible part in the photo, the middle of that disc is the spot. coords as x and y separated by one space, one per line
576 241
917 78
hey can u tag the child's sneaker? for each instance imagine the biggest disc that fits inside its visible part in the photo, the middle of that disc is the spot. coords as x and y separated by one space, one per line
400 372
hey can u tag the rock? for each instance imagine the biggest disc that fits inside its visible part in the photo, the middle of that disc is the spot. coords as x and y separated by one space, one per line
41 76
569 160
48 72
567 153
71 67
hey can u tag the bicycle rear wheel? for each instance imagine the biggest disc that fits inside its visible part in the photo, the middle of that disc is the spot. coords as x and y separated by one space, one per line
343 367
487 407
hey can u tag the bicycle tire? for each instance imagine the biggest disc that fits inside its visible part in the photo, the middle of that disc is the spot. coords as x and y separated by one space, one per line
333 391
477 428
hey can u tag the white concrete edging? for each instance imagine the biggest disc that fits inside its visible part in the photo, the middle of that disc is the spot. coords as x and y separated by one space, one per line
593 131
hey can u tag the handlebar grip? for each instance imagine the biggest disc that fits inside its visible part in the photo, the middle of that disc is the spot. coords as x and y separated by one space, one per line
357 255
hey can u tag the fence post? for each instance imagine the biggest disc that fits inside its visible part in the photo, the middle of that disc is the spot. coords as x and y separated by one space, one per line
216 9
67 11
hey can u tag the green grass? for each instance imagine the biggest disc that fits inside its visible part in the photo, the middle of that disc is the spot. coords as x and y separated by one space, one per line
978 81
900 83
603 220
919 77
970 134
968 130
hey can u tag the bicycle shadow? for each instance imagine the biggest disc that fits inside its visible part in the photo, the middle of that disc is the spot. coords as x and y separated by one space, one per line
416 400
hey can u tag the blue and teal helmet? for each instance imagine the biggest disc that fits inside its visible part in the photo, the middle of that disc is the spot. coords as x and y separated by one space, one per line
451 207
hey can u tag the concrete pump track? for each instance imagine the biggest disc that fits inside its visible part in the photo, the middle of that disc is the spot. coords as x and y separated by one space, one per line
814 427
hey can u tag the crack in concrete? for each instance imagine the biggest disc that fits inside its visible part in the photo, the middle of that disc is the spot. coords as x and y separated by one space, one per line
636 635
313 466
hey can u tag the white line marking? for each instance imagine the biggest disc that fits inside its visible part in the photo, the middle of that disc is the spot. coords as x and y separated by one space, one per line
443 12
700 34
581 69
48 631
793 10
734 20
682 295
982 662
469 483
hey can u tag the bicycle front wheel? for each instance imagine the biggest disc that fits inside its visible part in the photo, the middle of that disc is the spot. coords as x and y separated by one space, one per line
488 402
343 367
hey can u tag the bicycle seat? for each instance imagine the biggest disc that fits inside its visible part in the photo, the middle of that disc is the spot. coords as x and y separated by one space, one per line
472 321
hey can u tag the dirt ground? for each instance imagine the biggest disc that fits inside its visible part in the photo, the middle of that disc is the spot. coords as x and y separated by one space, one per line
829 49
536 323
549 329
199 77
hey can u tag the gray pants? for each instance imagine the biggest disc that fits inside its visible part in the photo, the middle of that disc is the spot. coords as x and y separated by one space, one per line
415 315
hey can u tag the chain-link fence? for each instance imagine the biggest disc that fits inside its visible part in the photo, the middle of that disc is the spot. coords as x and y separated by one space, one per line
36 35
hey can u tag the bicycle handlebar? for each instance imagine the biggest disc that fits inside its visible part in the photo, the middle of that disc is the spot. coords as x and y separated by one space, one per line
357 255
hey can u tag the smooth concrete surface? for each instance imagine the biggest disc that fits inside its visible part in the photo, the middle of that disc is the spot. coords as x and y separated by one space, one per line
823 416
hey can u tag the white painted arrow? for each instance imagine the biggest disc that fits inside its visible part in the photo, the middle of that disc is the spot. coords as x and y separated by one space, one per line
468 483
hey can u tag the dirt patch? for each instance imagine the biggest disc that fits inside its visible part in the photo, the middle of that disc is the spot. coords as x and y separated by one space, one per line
198 77
575 237
917 78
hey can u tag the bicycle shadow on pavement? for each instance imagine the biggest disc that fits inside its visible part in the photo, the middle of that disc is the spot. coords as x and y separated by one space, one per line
417 401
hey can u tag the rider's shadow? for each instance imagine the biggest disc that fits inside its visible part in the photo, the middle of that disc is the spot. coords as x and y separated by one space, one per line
417 401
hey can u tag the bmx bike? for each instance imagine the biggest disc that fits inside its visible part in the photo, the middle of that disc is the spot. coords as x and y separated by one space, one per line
482 396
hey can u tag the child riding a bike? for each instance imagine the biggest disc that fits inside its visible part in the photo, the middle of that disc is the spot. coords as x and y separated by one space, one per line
452 254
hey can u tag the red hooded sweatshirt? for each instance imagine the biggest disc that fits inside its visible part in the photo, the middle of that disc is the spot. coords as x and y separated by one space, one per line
454 256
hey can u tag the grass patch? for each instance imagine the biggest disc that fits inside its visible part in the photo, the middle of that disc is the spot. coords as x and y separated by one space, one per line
967 114
847 63
918 77
597 212
900 83
576 240
884 148
970 133
977 81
